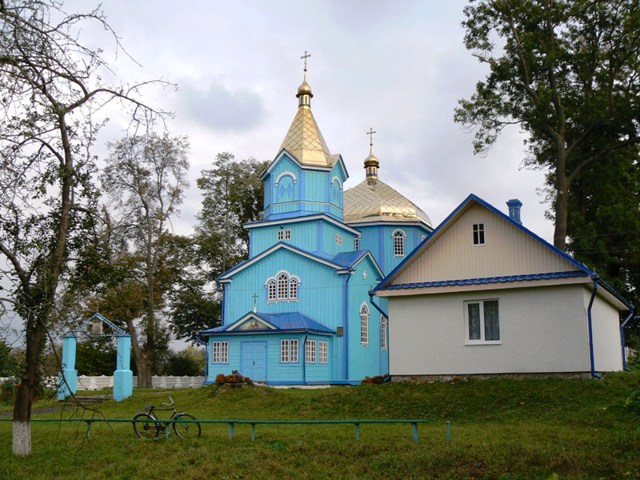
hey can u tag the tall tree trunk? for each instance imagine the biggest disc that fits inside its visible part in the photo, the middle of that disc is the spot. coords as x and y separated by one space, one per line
27 388
140 357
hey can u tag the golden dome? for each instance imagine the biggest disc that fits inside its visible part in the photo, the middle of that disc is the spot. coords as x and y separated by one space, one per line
304 89
378 202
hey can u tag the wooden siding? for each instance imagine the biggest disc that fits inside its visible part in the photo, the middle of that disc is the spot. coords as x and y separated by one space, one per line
317 284
507 251
379 241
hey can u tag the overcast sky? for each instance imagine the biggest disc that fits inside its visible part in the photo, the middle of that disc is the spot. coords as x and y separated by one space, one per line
397 66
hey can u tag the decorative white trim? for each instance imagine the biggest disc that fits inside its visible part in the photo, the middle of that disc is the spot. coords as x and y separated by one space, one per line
399 234
364 313
285 174
336 179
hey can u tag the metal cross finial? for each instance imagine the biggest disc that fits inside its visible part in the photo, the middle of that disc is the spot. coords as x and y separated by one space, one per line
370 133
304 57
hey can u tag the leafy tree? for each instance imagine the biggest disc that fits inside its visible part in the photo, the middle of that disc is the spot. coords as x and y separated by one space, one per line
51 89
8 362
96 356
189 361
233 194
145 179
568 73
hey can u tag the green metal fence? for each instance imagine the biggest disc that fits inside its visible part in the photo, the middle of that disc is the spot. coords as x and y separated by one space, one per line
231 424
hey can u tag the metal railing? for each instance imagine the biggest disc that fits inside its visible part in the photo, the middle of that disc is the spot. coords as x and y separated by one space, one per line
231 424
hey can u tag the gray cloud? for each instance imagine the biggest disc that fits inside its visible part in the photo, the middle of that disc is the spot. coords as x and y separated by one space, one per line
219 108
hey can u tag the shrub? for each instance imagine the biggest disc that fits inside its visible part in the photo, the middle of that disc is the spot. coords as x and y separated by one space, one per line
377 380
8 390
234 379
633 402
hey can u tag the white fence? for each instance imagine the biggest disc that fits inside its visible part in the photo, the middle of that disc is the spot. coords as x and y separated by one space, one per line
103 381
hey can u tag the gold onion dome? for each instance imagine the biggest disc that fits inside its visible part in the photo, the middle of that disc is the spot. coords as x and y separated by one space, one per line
304 140
373 201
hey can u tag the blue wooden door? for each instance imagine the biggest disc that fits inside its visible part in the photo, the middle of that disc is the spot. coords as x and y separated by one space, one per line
254 361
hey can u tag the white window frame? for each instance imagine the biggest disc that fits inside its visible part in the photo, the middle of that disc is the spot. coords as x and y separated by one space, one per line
364 324
284 234
220 352
399 240
338 239
289 350
283 287
481 313
384 339
323 351
478 234
272 290
356 243
310 351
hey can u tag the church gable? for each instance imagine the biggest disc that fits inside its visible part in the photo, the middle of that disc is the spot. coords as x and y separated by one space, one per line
479 242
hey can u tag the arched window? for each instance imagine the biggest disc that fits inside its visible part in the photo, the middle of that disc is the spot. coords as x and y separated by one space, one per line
384 344
293 288
271 290
283 286
364 324
398 243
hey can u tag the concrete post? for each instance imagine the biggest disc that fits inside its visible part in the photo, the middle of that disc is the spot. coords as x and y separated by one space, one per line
123 377
69 374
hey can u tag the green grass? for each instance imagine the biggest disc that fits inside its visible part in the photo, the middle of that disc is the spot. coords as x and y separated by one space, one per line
502 428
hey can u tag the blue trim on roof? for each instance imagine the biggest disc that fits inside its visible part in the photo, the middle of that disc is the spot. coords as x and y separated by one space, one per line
489 280
474 198
452 215
282 322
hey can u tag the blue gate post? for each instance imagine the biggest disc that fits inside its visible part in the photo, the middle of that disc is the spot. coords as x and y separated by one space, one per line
68 375
123 377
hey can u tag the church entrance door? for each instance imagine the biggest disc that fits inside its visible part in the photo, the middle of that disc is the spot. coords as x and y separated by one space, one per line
254 360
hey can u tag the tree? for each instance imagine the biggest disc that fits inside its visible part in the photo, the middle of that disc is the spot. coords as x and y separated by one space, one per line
568 73
233 195
145 179
50 90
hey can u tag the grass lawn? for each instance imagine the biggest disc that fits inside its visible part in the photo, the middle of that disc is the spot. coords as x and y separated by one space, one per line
502 428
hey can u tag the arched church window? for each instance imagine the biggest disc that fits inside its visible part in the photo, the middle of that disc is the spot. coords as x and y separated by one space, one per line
398 243
271 290
293 288
283 286
336 190
364 324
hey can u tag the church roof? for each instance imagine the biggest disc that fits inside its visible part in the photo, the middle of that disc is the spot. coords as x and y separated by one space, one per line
370 202
273 323
304 141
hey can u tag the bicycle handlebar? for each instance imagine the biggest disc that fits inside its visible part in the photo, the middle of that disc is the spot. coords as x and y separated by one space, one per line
169 404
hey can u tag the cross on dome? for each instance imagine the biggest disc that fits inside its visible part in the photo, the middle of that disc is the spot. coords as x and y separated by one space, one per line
370 133
304 57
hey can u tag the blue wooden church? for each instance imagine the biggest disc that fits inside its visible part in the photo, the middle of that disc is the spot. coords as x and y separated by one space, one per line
298 311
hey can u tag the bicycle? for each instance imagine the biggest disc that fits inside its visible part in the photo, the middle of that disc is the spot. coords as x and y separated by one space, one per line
146 424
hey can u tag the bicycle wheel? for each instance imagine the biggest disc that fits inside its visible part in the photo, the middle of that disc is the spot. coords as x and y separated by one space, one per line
186 429
146 426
